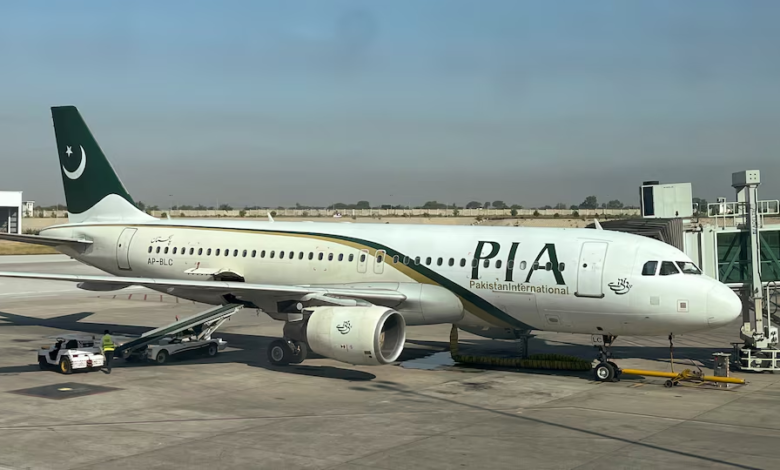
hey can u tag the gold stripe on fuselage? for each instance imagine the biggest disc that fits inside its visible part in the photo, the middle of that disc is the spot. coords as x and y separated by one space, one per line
405 269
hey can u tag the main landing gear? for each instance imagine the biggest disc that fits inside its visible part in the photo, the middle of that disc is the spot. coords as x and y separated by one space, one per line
606 370
283 352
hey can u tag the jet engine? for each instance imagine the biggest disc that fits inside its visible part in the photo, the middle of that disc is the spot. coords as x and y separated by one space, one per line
372 335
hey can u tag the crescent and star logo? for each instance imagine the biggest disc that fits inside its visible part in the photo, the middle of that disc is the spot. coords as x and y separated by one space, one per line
74 175
344 327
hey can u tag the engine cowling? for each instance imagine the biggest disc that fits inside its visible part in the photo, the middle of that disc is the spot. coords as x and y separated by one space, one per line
371 335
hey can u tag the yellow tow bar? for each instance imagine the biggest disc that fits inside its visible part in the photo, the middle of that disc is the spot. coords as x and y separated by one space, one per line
686 375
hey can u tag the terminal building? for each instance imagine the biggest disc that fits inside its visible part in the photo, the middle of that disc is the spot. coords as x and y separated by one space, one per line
11 212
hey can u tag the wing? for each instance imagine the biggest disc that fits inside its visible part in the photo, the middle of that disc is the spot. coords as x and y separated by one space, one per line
370 295
47 241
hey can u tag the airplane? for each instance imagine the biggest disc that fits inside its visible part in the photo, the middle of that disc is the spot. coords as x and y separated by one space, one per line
348 291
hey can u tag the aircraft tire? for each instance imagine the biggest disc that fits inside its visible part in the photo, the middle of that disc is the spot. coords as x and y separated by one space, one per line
618 372
301 355
604 372
279 353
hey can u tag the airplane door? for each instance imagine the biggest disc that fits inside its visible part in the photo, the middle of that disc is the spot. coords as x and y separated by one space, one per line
362 261
379 262
123 248
590 270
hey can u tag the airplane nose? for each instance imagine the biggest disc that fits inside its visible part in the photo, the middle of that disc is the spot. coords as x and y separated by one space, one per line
723 306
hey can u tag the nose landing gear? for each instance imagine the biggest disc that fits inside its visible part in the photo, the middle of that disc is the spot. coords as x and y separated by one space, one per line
606 370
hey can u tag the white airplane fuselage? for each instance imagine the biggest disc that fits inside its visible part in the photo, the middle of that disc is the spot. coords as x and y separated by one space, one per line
487 280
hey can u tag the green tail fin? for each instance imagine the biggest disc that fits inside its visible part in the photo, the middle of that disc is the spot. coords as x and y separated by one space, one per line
87 175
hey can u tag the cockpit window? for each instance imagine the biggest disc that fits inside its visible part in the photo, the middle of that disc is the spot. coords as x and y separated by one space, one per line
649 268
668 268
688 268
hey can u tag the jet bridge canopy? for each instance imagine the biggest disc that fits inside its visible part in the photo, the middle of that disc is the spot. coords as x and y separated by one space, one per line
211 315
669 231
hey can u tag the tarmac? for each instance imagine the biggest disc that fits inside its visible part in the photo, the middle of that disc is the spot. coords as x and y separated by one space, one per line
238 411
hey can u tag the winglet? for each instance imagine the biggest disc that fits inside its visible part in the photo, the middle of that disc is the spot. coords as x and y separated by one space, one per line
598 225
270 219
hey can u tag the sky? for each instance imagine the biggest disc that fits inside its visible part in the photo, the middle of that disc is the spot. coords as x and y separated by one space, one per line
314 102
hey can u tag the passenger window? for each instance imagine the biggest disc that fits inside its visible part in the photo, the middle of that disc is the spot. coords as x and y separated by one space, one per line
254 253
192 251
406 260
510 264
200 251
319 256
281 254
184 250
428 261
150 249
498 264
548 266
208 252
311 255
649 268
300 255
417 260
379 258
395 259
262 253
330 256
522 265
668 268
451 262
158 249
174 249
486 263
341 256
166 250
462 262
535 265
217 252
271 255
235 252
244 254
439 262
351 257
362 258
227 252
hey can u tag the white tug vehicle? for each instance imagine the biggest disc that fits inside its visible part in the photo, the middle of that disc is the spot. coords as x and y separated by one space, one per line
72 353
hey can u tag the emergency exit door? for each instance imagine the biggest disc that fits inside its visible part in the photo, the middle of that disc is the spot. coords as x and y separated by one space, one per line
590 271
123 248
379 262
362 261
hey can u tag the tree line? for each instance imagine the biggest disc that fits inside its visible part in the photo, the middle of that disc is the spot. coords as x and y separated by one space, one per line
590 202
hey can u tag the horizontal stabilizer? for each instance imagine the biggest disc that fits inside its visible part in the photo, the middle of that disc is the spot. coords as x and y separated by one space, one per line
47 241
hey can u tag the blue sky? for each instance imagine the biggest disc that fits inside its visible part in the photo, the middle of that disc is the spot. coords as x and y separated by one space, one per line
269 103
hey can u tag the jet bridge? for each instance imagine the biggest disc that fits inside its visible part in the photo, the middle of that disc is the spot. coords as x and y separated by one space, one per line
738 249
204 324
